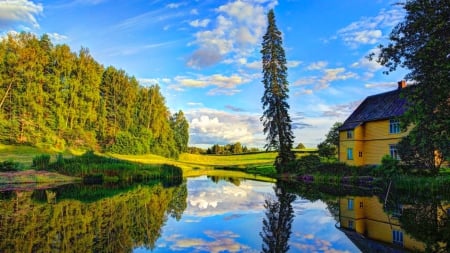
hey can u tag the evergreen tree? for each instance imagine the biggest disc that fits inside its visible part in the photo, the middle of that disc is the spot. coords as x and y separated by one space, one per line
276 120
421 44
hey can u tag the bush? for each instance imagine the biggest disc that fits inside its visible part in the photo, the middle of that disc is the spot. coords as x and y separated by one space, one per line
389 166
7 166
41 162
308 164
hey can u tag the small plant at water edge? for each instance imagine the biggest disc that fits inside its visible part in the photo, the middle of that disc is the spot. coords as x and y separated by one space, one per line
41 162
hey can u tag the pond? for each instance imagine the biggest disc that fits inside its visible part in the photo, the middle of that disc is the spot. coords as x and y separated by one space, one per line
217 214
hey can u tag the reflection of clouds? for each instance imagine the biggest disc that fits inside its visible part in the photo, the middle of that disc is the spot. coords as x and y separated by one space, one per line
224 197
309 243
215 241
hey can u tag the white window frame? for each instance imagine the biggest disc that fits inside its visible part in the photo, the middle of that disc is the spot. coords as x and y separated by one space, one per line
394 126
393 151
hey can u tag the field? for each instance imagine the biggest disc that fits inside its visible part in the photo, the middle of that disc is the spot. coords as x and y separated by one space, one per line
192 164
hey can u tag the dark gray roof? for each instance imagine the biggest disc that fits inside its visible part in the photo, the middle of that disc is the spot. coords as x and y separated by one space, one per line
381 106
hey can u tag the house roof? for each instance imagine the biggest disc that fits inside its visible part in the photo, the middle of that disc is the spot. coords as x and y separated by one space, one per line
381 106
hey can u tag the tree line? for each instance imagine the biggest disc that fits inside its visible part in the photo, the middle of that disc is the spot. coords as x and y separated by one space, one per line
51 96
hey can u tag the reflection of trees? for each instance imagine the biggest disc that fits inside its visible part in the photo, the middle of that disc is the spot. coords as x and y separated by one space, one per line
233 180
277 224
114 224
424 216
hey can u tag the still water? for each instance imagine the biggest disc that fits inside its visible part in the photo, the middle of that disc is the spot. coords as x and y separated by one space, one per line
212 214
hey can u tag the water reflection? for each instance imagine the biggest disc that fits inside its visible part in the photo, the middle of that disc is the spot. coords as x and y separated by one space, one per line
222 214
133 217
277 225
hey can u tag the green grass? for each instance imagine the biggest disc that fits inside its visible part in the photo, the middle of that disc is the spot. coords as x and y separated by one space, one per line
192 164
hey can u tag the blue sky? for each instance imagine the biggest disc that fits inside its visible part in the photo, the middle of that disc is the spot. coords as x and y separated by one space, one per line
205 55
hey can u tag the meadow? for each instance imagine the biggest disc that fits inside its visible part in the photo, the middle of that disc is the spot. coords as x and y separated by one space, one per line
240 165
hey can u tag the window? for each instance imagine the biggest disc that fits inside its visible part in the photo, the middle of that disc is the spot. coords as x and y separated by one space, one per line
349 134
361 204
397 237
350 204
349 154
359 154
350 224
394 126
393 151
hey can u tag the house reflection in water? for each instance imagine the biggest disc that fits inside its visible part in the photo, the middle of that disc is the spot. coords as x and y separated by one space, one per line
365 222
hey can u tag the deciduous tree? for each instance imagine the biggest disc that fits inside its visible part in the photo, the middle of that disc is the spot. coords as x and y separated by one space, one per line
420 43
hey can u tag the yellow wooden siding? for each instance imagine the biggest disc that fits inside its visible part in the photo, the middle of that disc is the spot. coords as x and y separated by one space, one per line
372 139
370 220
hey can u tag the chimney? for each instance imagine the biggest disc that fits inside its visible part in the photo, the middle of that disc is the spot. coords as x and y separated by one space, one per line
401 84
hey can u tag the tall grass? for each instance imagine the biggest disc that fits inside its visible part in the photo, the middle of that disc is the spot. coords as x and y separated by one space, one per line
90 164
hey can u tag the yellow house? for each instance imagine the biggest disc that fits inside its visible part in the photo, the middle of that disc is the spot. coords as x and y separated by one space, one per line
366 217
373 129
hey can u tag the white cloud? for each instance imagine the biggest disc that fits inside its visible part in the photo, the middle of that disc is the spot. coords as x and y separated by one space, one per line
238 28
56 37
317 65
293 64
173 5
322 82
208 127
200 23
370 65
369 30
19 11
222 84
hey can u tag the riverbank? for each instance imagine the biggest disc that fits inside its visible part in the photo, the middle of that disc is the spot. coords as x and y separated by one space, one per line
33 176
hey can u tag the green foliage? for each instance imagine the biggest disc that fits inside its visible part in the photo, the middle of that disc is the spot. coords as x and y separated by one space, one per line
126 143
420 43
328 148
41 162
307 163
389 167
53 97
9 165
300 146
92 164
276 119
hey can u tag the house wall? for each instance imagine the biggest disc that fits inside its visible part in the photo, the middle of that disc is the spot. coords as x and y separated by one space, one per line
370 220
372 139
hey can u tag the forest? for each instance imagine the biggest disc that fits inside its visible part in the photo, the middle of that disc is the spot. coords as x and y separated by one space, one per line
53 97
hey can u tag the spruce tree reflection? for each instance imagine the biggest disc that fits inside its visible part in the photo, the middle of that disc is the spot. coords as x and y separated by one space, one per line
277 224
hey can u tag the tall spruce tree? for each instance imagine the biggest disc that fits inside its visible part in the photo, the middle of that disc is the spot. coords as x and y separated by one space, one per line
421 44
276 120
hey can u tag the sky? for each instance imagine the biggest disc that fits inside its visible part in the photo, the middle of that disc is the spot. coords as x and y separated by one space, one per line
223 217
205 55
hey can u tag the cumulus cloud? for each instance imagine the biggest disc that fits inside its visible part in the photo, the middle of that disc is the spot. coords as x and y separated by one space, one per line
341 110
225 85
56 37
234 108
19 12
322 82
215 242
237 29
371 66
208 127
317 65
369 30
199 23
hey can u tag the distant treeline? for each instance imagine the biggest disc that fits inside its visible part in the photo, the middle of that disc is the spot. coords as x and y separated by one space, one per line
53 97
228 149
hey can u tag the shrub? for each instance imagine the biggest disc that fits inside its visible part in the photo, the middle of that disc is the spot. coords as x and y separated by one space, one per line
41 162
308 164
389 166
7 166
